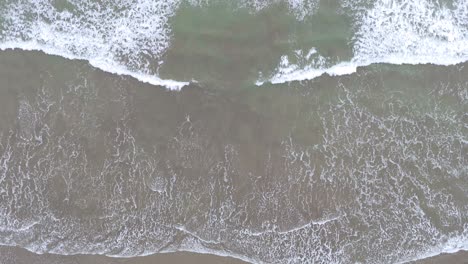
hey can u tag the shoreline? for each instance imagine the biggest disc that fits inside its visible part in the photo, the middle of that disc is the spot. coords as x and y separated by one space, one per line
341 69
100 64
459 257
23 256
19 256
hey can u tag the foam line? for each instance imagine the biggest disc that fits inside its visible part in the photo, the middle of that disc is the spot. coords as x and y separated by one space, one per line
452 246
395 32
120 37
350 67
107 66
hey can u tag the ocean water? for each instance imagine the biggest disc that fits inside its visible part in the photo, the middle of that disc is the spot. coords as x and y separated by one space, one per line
273 131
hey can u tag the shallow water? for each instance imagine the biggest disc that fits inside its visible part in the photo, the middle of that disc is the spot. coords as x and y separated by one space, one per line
280 148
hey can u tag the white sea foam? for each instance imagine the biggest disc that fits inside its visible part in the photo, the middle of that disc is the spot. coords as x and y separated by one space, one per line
121 37
397 32
67 43
293 73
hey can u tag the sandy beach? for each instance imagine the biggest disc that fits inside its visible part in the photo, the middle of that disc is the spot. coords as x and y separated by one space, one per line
11 255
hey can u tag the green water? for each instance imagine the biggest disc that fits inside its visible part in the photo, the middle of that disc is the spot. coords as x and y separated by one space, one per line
227 46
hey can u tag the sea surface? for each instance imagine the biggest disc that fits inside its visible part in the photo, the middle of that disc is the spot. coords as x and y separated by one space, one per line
271 131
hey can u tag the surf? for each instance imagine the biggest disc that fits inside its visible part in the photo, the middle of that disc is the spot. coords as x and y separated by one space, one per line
118 37
393 32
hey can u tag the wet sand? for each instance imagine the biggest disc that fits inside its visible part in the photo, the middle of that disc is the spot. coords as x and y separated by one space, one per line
13 255
186 159
460 257
10 255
